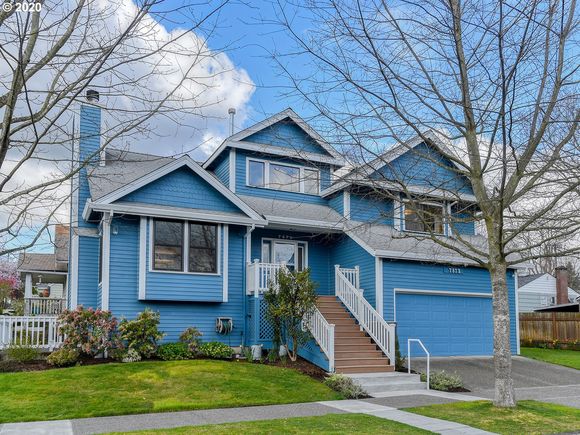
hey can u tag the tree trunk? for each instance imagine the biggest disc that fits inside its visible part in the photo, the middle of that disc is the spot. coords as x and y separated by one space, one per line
504 388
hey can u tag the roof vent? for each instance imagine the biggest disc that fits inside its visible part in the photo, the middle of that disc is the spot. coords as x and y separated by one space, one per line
92 96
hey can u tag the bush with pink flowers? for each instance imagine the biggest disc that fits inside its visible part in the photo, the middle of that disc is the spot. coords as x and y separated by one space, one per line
90 332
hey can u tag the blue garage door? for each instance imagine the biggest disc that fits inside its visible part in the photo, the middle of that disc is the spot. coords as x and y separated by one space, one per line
447 325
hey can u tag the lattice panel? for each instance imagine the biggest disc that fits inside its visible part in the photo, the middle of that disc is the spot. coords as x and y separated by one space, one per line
266 329
251 328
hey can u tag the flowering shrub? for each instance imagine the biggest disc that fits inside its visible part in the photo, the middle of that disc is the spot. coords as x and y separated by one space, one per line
89 331
63 357
191 337
142 334
216 350
131 355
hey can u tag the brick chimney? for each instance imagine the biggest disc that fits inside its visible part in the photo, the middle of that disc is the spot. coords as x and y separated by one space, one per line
561 285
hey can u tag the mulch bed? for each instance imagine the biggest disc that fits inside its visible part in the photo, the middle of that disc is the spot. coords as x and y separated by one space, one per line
33 366
302 366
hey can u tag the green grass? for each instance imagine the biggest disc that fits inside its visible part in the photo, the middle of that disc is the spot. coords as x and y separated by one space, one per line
530 417
327 424
568 358
154 386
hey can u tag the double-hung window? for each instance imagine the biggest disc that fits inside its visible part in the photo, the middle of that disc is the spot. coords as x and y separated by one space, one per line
424 217
182 246
280 176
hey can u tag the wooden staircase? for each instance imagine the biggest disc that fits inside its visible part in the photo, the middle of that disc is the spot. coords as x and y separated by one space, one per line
354 351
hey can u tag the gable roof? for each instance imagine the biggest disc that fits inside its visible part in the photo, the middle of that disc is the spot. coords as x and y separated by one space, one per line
361 173
165 167
526 279
40 263
237 140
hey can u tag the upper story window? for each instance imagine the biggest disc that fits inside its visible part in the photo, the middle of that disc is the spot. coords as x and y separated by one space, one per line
290 178
180 246
424 217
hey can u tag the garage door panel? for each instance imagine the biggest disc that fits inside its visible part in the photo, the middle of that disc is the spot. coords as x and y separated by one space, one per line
447 325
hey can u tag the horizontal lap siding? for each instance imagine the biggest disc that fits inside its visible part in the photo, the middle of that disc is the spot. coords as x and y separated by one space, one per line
89 145
337 202
429 276
424 166
88 275
318 254
222 168
348 254
286 134
371 210
175 316
243 189
182 188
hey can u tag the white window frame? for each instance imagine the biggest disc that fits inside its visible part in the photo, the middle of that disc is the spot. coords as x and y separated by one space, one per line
293 242
151 269
433 204
266 185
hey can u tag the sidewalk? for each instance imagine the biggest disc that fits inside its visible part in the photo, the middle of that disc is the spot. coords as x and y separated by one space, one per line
166 420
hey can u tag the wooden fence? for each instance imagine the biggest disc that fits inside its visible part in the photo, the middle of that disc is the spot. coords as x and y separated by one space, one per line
564 327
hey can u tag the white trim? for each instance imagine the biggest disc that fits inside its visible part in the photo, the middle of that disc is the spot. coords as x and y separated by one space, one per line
142 257
288 113
225 260
41 272
305 223
106 260
397 212
74 271
172 166
185 252
379 285
284 152
346 204
172 213
443 293
268 163
517 308
28 286
232 168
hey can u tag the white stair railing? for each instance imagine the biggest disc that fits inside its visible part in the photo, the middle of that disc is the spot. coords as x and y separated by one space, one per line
416 340
323 333
261 275
368 318
35 331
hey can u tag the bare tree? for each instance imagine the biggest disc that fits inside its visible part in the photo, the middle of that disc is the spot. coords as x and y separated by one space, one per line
52 53
492 84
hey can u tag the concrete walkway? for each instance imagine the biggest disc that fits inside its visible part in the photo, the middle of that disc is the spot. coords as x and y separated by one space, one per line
376 407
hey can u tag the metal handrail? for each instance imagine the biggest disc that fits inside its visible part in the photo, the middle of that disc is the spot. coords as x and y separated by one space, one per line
416 340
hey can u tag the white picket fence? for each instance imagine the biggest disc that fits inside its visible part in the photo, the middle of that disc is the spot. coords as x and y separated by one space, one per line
40 332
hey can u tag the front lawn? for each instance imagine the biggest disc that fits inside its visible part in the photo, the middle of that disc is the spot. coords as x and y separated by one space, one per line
327 424
568 358
530 417
153 386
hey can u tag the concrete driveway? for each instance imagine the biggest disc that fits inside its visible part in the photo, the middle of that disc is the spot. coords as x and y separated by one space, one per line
533 379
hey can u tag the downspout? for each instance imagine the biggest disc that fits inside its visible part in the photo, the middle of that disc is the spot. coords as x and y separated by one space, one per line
247 254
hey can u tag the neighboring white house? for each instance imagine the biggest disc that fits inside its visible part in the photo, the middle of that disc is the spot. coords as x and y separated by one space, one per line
539 291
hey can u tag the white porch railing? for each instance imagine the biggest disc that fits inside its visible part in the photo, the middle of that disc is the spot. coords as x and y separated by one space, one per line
43 306
260 275
352 275
368 318
36 331
323 333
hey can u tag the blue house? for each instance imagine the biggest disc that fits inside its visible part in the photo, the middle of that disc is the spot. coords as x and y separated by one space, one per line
200 243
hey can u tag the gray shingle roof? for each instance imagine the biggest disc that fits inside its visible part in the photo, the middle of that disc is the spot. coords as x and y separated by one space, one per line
398 244
121 168
40 263
293 210
526 279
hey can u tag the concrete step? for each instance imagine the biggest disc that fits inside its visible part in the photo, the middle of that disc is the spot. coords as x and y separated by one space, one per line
380 383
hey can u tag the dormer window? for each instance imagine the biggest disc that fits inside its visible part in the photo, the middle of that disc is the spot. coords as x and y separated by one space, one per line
282 176
423 217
